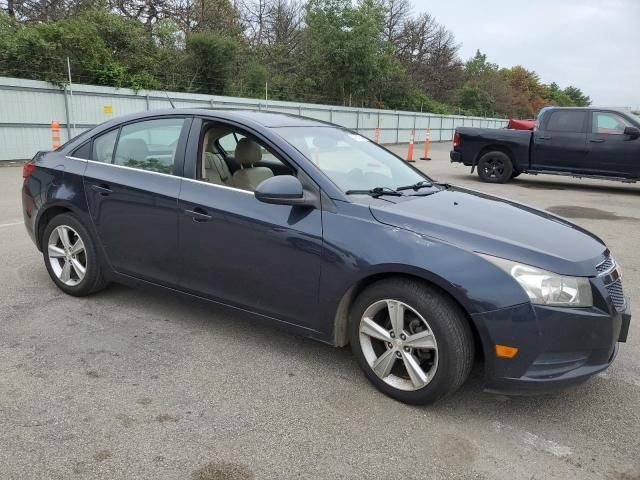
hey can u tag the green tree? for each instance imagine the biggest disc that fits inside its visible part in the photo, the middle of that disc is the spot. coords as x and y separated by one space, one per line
344 51
486 90
211 59
579 99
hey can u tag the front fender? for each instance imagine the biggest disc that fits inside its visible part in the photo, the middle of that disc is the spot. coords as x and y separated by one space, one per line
357 249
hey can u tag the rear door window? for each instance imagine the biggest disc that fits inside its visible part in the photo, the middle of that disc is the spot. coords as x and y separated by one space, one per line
149 145
570 121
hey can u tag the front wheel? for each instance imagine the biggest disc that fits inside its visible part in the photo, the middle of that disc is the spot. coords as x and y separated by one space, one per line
495 167
71 257
412 341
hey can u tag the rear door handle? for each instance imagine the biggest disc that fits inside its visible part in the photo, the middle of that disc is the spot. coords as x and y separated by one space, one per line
596 140
198 214
544 137
102 189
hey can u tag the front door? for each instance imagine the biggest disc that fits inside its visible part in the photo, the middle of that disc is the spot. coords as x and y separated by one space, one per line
611 152
132 187
240 251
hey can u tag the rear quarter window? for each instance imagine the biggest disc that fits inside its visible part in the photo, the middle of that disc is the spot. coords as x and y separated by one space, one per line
83 151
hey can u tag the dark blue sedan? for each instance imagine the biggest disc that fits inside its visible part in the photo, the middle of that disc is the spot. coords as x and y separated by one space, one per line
321 231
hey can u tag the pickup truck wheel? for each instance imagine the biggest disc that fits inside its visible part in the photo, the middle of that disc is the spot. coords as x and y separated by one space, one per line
495 167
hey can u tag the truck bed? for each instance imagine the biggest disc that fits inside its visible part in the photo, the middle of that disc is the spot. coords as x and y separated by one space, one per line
479 140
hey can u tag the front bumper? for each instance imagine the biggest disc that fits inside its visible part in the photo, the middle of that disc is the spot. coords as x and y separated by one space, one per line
557 346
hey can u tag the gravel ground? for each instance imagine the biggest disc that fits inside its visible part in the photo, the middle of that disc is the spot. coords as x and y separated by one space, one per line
131 384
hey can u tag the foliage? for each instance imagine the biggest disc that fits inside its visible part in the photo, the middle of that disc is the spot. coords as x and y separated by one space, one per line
517 92
373 53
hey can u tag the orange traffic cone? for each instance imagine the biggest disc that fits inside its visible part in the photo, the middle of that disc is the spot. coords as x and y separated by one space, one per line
427 141
55 134
410 151
376 135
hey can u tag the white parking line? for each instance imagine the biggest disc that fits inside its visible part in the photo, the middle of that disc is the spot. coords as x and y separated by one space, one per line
2 225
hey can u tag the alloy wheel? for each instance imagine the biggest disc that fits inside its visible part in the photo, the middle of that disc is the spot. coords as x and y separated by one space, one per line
67 255
398 344
494 168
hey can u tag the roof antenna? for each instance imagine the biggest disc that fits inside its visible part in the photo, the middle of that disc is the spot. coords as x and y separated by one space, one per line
170 101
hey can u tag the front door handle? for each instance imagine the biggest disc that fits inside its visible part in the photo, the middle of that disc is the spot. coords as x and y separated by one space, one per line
103 189
198 214
596 140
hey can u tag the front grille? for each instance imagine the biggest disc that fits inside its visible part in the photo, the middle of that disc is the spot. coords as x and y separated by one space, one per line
617 294
606 265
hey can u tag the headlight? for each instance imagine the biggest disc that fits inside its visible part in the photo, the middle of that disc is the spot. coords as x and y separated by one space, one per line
546 288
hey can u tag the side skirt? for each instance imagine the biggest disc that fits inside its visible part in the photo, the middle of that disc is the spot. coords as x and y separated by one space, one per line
250 315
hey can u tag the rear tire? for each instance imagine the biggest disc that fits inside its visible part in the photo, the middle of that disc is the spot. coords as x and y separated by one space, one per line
495 167
71 257
435 340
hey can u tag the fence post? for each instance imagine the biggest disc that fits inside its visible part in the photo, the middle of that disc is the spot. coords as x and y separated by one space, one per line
357 121
398 129
415 115
66 110
146 97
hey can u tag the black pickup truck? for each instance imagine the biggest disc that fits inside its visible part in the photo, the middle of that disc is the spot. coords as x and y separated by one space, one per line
578 142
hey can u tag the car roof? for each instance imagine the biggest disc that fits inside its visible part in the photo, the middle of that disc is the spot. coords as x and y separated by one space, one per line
265 119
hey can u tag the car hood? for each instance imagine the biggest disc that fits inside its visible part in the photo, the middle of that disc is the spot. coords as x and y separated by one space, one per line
496 226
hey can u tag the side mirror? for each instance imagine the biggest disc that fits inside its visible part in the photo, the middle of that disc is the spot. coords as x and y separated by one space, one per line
283 190
632 132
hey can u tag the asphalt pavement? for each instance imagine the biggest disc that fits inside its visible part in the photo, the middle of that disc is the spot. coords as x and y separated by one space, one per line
137 385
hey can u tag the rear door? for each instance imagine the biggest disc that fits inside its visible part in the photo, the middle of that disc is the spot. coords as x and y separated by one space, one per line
611 152
561 142
132 186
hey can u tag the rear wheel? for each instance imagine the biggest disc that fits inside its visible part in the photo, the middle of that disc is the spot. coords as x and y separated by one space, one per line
70 256
413 342
495 167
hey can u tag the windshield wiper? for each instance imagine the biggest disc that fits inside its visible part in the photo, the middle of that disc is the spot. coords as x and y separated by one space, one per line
376 192
416 186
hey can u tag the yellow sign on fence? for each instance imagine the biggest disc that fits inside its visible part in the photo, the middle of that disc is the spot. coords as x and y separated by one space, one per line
107 109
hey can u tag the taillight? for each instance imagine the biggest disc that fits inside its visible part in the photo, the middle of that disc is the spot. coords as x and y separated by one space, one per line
28 169
456 139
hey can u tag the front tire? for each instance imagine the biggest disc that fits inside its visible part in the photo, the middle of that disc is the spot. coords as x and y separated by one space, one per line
70 256
495 167
413 342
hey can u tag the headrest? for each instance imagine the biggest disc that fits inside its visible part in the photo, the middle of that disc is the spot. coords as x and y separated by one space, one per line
248 152
133 149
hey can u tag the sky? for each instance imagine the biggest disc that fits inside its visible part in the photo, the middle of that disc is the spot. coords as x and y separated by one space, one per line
593 45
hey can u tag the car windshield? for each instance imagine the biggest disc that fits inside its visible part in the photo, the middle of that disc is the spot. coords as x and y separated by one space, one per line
351 161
